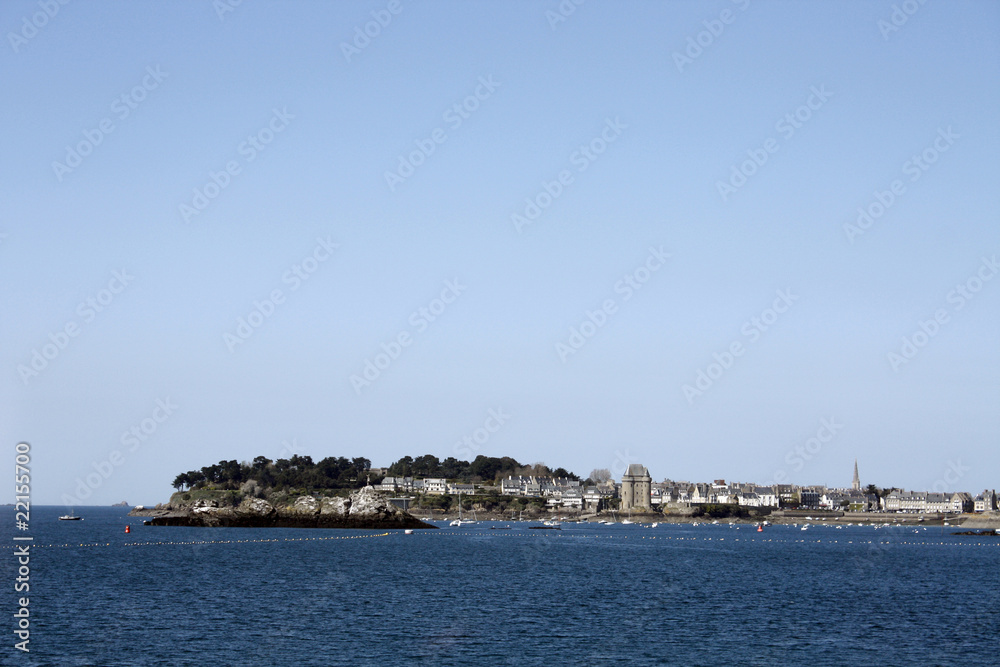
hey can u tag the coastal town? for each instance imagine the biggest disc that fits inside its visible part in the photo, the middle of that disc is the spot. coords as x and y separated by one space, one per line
636 492
503 488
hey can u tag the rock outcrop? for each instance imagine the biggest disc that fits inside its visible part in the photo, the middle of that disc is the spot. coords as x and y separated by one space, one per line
365 508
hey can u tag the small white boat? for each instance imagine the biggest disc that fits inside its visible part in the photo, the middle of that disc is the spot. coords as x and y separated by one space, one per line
460 521
70 517
626 522
408 531
655 524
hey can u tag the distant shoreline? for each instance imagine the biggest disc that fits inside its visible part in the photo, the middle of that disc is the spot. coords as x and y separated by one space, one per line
779 517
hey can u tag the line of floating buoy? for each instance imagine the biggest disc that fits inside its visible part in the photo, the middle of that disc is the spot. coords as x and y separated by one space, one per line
198 542
678 538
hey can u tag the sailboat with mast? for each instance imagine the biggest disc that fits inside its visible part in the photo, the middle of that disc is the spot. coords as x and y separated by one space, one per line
459 521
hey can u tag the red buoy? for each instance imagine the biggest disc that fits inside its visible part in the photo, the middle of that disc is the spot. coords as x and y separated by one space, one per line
128 529
760 528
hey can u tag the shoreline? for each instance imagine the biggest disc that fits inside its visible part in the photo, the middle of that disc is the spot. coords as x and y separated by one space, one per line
779 517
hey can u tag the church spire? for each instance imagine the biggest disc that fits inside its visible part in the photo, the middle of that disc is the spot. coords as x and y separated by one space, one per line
856 484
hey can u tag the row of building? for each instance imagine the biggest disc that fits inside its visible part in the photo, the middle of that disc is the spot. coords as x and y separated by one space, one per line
432 485
638 492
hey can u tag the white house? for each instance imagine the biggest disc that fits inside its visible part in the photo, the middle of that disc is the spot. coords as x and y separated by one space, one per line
767 495
435 485
832 500
572 498
511 486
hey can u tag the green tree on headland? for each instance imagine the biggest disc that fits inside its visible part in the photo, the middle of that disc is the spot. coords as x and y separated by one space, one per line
301 472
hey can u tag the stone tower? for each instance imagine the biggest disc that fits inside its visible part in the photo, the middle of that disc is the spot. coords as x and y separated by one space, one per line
637 487
856 484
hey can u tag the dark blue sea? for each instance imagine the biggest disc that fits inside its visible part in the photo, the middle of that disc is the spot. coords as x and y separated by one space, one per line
672 595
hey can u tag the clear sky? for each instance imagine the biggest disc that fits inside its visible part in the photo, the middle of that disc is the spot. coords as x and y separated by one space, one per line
740 240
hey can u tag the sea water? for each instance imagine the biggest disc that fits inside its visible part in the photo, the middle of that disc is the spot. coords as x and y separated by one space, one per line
488 594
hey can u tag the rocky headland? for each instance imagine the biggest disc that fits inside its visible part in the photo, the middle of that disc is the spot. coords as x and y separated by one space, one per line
365 508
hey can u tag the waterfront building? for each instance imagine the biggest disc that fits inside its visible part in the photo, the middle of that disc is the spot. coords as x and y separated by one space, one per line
985 501
938 502
394 484
701 494
832 500
922 501
809 497
962 502
787 494
438 485
572 498
767 494
510 486
595 497
636 488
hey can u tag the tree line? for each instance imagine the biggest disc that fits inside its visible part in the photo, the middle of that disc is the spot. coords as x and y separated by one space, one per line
482 468
301 472
333 472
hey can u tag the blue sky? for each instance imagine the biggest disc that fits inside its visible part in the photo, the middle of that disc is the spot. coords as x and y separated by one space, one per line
714 154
